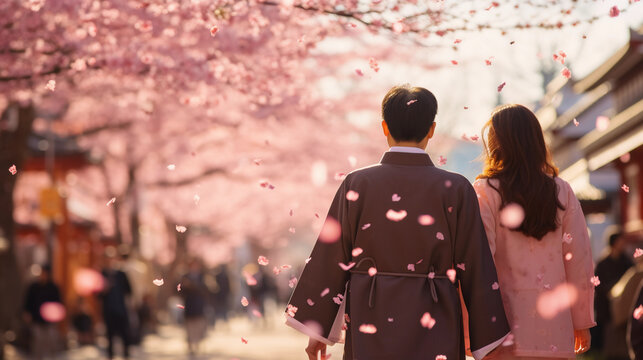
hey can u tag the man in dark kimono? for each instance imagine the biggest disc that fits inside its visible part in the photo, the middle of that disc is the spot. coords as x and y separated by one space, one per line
400 239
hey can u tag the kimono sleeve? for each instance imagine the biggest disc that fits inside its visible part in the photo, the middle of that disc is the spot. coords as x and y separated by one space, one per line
487 212
314 307
488 325
580 268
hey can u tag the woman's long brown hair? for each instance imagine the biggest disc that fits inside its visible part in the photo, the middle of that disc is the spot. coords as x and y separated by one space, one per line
517 156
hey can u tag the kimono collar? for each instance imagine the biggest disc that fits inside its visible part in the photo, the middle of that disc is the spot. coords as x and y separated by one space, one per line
394 157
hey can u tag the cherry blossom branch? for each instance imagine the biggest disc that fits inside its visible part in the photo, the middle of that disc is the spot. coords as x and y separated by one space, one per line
189 180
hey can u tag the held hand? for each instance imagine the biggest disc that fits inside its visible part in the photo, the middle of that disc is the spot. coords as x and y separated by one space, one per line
582 341
315 347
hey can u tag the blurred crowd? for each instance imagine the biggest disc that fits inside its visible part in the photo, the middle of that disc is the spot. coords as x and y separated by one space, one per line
115 312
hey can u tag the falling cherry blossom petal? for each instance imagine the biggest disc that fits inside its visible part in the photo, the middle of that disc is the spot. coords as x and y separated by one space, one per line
171 167
13 170
495 286
410 267
292 230
244 341
567 238
512 216
372 271
638 252
292 282
427 321
346 267
426 220
179 306
550 303
595 281
262 260
454 62
442 161
602 123
566 73
373 64
625 188
396 198
291 310
178 287
575 122
359 72
352 195
324 292
214 30
395 215
368 329
111 201
366 226
461 266
250 280
181 229
158 282
331 231
244 301
614 11
451 274
439 236
310 302
638 312
411 102
52 311
357 251
441 357
569 256
501 86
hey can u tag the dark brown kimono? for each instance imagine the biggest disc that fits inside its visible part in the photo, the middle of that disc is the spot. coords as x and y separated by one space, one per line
412 255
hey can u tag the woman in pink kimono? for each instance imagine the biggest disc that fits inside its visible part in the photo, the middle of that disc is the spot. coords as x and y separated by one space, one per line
539 241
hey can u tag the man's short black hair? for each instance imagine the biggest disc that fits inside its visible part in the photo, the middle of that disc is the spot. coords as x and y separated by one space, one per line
614 238
409 112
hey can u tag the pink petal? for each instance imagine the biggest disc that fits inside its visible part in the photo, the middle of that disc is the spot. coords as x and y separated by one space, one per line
51 85
331 231
244 301
244 341
52 311
111 201
390 319
352 195
625 188
276 270
411 102
368 329
373 64
366 226
595 281
576 122
450 209
457 41
291 310
602 123
372 271
325 292
179 306
567 238
250 280
488 62
501 86
214 30
427 321
568 256
396 198
474 138
257 161
461 266
292 230
13 170
447 183
566 73
359 72
310 302
431 275
439 236
181 228
338 299
454 62
262 260
357 251
410 267
286 266
441 357
638 312
495 285
346 267
451 275
158 282
178 287
561 298
256 313
614 11
638 252
395 215
292 282
512 215
442 161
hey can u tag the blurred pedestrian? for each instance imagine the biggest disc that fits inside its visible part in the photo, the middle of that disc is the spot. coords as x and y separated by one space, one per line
609 270
45 338
194 293
222 293
115 313
635 325
82 323
622 296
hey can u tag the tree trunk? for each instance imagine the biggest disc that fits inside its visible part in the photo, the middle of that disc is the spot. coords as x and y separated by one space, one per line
15 128
134 215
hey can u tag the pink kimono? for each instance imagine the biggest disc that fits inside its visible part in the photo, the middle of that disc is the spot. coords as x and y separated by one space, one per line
546 285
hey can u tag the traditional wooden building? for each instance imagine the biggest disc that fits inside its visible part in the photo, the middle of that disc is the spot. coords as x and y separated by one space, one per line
595 129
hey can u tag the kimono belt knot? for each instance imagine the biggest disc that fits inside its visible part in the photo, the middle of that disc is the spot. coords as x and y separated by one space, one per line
430 277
